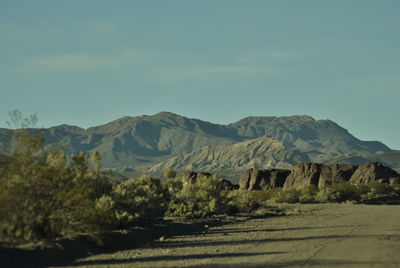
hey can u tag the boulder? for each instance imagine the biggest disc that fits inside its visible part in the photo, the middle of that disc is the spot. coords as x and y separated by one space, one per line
303 175
374 171
263 179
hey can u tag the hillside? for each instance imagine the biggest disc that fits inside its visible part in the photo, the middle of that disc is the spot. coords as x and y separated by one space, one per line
320 139
256 153
166 139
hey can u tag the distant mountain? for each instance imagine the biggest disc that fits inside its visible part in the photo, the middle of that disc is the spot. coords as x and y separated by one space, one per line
320 139
166 139
256 153
389 159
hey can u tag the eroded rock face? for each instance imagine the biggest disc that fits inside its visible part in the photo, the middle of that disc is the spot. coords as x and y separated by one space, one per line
374 171
303 175
318 175
263 179
335 173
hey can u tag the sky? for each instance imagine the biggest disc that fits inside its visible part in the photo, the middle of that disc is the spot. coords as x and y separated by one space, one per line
88 62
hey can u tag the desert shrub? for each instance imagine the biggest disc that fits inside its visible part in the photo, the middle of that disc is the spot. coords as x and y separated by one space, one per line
340 192
244 201
285 196
138 201
43 196
380 189
362 189
308 194
325 195
204 197
172 186
169 173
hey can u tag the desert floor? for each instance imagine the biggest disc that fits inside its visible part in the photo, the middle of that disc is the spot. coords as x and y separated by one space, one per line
314 235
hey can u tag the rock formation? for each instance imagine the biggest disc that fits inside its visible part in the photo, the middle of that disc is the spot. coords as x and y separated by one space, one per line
303 175
316 174
374 171
263 179
335 173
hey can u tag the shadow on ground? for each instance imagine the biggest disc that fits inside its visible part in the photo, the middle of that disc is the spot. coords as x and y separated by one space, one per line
64 252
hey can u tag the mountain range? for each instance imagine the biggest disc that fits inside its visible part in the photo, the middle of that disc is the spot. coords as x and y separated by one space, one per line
167 140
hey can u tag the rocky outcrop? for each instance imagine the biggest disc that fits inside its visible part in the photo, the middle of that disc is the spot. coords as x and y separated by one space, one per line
321 175
318 175
303 175
263 179
335 173
374 171
191 177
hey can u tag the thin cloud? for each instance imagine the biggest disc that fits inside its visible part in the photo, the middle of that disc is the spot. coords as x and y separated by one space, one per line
238 69
276 56
165 66
80 61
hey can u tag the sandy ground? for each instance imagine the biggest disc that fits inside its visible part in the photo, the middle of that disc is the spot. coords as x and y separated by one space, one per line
318 235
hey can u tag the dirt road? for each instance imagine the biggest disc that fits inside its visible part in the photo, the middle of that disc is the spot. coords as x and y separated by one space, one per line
322 235
319 235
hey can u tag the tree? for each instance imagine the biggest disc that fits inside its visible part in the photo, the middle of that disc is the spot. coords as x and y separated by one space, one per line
17 121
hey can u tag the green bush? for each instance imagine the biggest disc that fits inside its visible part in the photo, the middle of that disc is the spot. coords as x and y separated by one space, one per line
340 192
41 196
308 194
380 189
204 197
172 186
169 173
245 201
138 201
285 196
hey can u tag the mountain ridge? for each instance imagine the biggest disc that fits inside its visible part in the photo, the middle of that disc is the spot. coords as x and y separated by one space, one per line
148 140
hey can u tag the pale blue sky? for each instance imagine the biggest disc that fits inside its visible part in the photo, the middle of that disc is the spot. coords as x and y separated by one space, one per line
88 62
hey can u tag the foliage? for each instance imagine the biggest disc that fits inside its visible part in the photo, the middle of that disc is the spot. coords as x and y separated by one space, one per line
172 186
42 196
379 189
169 173
308 194
284 196
345 191
205 197
138 201
19 122
46 195
244 201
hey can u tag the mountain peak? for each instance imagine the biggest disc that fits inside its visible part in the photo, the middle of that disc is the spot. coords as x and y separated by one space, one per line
148 139
166 114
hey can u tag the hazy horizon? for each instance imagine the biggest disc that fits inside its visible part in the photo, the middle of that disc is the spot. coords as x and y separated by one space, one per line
88 63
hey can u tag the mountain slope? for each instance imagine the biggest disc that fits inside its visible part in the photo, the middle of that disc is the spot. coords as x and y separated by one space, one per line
257 153
145 141
320 139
